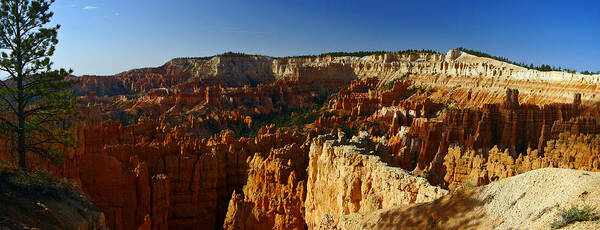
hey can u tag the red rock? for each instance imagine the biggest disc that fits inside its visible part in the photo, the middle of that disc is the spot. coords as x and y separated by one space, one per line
274 194
154 151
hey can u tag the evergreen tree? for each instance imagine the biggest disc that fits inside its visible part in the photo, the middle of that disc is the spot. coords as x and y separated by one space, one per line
36 101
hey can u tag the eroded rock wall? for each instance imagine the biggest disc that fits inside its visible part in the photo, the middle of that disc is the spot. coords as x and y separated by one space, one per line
471 81
148 175
273 197
233 69
569 151
346 176
153 151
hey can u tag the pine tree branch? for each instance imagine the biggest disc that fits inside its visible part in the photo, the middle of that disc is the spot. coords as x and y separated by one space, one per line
7 41
8 89
9 123
7 69
6 101
32 112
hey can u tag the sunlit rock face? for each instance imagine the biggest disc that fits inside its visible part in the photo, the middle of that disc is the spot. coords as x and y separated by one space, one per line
190 145
471 76
347 176
507 204
232 69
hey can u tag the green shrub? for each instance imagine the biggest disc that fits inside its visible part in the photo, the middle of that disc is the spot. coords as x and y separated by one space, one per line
574 214
287 118
390 85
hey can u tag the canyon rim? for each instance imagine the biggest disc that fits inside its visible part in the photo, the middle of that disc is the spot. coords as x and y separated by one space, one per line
450 138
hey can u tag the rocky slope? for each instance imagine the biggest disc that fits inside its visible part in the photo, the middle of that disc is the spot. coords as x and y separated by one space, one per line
347 176
225 142
36 201
531 200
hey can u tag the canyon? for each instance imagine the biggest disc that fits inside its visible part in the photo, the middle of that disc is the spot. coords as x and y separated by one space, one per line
240 141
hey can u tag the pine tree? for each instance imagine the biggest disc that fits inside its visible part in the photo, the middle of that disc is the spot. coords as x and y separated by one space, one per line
36 101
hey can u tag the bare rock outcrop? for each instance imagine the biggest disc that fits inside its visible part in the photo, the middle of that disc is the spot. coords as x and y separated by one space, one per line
232 69
528 201
345 176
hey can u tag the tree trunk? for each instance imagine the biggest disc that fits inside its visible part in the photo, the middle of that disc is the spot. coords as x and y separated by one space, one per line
21 144
21 126
21 116
20 91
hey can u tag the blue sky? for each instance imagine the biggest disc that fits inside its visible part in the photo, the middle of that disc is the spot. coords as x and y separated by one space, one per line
110 36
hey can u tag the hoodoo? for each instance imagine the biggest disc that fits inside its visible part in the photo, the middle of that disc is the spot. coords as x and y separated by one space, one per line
425 139
183 146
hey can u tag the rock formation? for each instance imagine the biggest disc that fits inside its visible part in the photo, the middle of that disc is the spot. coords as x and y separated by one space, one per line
223 141
569 151
234 69
482 80
528 201
346 176
273 197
